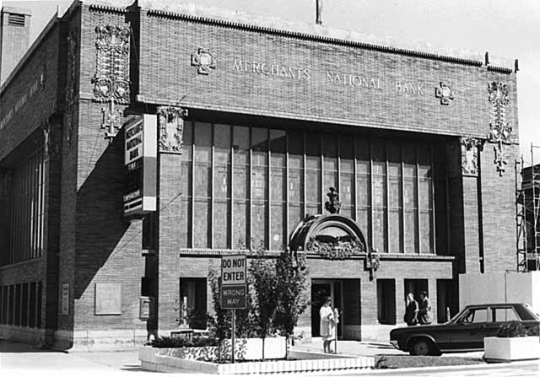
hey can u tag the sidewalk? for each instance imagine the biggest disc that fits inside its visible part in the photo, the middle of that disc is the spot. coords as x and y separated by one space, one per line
18 359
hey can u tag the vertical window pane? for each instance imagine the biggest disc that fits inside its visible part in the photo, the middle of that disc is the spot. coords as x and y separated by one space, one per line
258 225
32 307
221 181
329 152
259 146
241 145
240 226
203 176
259 184
201 221
222 144
277 148
187 136
296 149
313 151
203 142
221 225
278 239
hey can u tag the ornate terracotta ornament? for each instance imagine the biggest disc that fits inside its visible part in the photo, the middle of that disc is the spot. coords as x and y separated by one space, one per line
171 128
469 156
444 92
111 80
499 129
203 60
331 247
333 205
373 261
111 120
71 81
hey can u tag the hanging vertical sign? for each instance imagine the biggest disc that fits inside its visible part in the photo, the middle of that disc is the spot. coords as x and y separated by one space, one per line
141 164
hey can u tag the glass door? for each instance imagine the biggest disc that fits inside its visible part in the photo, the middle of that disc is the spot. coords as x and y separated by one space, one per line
320 290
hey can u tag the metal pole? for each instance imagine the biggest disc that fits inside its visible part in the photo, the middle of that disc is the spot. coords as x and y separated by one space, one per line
233 330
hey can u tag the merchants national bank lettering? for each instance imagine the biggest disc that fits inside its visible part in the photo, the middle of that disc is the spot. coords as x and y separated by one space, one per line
184 140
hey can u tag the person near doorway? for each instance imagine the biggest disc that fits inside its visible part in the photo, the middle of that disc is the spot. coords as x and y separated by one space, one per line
411 310
425 315
327 325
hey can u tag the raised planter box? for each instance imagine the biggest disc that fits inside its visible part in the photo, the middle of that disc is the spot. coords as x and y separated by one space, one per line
511 349
162 360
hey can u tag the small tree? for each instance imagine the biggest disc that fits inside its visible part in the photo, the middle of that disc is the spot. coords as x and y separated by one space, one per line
291 274
263 274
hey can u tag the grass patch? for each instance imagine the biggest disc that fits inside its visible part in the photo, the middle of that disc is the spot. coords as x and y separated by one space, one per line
394 362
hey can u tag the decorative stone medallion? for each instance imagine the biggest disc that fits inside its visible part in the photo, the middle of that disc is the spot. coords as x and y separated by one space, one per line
444 92
203 60
111 80
171 128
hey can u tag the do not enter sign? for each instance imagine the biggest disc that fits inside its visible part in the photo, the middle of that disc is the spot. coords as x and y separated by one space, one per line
233 269
233 282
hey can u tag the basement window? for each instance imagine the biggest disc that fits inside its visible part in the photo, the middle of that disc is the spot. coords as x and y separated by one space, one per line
16 20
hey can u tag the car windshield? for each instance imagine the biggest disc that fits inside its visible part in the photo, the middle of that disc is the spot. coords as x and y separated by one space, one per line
527 313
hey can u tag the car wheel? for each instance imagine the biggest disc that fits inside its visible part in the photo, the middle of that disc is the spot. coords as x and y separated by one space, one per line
422 347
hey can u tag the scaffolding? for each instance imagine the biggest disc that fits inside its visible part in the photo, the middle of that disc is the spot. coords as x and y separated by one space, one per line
527 214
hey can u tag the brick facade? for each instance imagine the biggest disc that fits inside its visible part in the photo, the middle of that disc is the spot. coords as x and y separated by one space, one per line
264 76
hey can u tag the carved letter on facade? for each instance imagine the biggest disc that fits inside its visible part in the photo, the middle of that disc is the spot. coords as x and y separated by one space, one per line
499 129
111 80
469 156
171 128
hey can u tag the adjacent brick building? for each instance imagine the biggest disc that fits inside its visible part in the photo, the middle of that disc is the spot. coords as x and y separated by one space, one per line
253 125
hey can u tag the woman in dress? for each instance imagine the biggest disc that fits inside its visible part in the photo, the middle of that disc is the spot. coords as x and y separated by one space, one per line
327 325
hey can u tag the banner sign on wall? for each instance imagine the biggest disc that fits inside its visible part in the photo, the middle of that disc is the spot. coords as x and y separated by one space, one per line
140 156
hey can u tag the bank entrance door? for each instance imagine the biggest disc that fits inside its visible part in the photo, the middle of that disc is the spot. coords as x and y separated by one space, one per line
320 290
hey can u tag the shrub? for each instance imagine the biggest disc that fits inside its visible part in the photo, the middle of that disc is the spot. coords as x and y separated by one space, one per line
176 342
512 329
534 331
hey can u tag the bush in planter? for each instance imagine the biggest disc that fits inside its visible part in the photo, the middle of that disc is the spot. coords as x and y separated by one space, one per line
513 329
177 342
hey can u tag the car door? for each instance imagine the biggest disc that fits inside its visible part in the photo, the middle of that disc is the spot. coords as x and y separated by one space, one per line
502 314
469 330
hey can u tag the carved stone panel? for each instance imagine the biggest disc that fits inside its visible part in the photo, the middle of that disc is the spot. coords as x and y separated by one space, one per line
72 63
108 299
499 130
111 80
469 156
171 128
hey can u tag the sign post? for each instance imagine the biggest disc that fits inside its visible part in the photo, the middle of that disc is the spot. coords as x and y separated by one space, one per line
233 288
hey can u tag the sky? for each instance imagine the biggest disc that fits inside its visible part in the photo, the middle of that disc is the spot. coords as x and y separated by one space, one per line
505 28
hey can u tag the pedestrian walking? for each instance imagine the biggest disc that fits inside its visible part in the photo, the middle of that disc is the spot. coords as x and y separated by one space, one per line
411 310
425 315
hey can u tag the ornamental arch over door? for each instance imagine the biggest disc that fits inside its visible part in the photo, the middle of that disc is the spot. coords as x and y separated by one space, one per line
332 236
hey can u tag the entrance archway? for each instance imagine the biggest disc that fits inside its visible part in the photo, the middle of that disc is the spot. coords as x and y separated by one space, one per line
333 236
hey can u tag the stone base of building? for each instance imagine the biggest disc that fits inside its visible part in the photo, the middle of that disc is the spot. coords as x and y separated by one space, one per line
113 340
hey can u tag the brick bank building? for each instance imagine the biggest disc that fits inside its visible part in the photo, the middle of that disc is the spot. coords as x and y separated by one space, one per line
140 144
